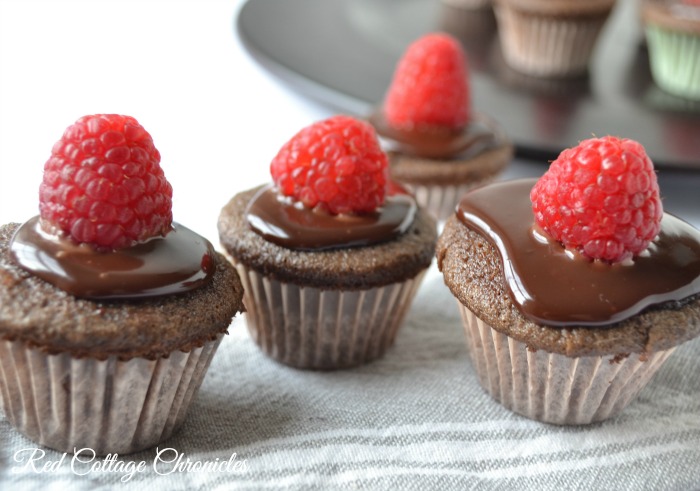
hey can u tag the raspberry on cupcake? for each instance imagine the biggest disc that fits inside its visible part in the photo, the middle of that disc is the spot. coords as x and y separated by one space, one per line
110 312
330 254
438 146
573 298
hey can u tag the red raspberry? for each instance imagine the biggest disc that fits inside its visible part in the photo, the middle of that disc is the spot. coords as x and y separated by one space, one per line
430 85
600 198
103 184
335 163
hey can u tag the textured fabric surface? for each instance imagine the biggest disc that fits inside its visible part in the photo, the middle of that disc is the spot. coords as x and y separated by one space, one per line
415 420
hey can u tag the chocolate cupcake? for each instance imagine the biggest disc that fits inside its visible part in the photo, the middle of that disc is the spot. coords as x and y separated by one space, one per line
331 255
569 312
437 146
550 38
110 313
672 30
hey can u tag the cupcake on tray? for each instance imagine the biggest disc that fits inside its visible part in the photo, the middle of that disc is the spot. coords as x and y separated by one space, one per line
331 254
575 288
438 147
550 38
110 312
672 30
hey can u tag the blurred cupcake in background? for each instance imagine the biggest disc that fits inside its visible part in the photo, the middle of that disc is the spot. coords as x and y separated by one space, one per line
438 146
672 30
474 29
550 38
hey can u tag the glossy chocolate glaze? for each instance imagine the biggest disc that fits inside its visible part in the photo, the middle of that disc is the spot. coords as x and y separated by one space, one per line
479 135
178 262
556 287
292 225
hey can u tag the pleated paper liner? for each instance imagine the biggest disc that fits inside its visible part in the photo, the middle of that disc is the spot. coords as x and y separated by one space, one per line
313 328
441 200
544 45
108 406
555 388
674 58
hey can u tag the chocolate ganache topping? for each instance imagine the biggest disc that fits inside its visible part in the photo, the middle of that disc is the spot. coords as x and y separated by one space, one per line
177 262
477 136
284 222
553 286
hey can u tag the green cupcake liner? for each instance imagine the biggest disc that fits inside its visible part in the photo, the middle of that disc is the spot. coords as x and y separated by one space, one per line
674 58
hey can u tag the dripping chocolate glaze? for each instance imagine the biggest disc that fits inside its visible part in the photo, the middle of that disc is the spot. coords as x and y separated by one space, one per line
291 225
178 262
554 287
480 134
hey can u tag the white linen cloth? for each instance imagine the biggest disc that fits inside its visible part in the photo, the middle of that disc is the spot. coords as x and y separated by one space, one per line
415 420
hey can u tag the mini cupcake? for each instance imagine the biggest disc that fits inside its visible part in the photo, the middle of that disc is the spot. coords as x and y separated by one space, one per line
550 38
438 148
474 29
330 255
110 313
572 304
672 30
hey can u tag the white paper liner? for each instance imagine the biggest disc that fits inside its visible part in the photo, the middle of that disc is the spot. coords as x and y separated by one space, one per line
555 388
306 327
108 406
441 200
547 46
674 59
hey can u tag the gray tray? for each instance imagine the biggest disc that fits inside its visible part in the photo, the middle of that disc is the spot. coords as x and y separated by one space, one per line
343 53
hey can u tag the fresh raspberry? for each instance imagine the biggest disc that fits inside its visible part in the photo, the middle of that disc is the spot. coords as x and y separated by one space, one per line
103 184
600 198
430 85
335 163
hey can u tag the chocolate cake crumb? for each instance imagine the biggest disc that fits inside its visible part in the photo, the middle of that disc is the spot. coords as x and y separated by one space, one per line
473 271
352 268
477 169
47 318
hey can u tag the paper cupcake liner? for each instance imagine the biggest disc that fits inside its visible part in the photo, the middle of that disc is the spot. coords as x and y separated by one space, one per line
555 388
674 58
307 327
469 4
547 46
108 406
441 200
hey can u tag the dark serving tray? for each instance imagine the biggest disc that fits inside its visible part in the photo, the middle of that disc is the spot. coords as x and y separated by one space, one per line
343 53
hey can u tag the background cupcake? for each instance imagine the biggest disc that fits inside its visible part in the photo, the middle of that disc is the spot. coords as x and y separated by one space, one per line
569 310
330 256
438 147
672 30
550 38
109 312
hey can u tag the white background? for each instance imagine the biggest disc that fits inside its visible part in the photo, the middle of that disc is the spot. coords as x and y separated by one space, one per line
176 66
